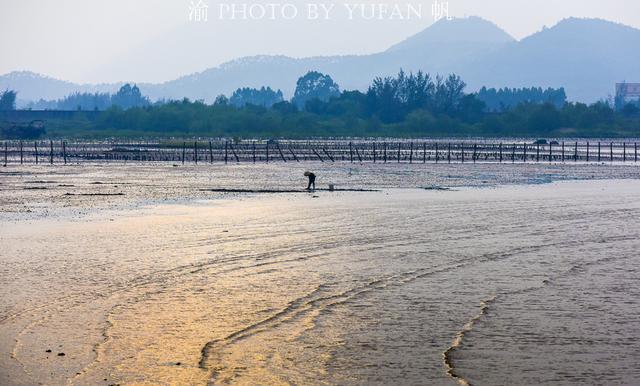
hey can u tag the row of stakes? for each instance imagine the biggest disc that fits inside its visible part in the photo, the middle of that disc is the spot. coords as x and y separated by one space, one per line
353 149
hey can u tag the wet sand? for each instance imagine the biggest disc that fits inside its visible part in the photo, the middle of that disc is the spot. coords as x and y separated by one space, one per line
496 281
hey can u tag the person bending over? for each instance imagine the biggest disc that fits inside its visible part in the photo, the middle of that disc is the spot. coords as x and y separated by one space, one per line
312 180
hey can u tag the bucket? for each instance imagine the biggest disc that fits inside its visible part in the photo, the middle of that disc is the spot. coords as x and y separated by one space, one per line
331 187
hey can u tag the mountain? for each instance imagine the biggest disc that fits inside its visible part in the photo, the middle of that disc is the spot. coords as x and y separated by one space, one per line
586 56
32 86
440 48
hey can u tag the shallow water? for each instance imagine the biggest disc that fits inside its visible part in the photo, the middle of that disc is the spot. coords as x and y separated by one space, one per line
526 284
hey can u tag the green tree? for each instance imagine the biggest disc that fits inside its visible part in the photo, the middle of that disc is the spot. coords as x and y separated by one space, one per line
314 85
128 97
8 100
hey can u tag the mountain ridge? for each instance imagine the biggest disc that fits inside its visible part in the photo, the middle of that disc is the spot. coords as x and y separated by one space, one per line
586 56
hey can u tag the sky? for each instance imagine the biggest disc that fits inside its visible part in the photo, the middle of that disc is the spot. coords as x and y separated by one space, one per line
100 41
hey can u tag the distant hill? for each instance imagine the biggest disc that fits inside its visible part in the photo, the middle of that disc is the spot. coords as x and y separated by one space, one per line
32 86
586 56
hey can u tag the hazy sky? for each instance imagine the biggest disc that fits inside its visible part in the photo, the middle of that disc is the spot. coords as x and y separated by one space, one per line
154 40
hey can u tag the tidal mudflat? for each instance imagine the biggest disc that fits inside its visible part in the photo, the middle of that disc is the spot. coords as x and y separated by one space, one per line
137 274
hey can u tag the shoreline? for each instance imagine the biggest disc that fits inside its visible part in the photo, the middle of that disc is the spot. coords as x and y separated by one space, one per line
199 271
69 192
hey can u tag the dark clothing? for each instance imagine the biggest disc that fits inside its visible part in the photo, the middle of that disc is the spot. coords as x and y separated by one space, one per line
312 181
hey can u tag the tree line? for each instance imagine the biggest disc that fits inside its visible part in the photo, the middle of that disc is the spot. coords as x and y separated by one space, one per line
128 96
404 105
506 98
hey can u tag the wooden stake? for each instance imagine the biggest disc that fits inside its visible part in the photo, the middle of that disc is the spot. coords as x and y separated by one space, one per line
233 151
587 151
293 154
317 155
35 146
611 151
385 152
195 151
280 151
184 151
374 152
51 153
351 152
210 152
411 152
328 155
